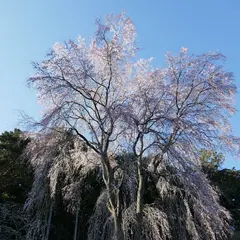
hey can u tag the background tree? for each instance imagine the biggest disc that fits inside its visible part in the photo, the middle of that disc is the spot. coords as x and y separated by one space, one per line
13 221
211 160
15 182
227 180
15 172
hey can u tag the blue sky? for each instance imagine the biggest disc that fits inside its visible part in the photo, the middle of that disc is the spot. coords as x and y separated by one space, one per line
29 28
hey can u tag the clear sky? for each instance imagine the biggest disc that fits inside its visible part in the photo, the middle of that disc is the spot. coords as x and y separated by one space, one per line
30 27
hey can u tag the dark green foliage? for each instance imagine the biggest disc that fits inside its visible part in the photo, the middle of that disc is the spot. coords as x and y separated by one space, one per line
211 160
15 182
15 172
13 221
236 236
227 180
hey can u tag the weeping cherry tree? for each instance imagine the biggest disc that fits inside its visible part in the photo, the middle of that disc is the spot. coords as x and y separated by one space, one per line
163 116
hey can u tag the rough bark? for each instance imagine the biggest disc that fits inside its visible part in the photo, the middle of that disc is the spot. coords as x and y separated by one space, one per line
139 204
113 197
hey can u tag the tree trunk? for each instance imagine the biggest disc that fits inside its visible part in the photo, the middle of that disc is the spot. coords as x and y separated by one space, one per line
76 225
139 204
49 222
113 197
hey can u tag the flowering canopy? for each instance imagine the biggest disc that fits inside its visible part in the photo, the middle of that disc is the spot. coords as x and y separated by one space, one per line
111 103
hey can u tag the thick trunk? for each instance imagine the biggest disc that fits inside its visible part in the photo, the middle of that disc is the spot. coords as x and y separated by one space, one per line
139 204
140 188
113 197
118 233
49 222
76 225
